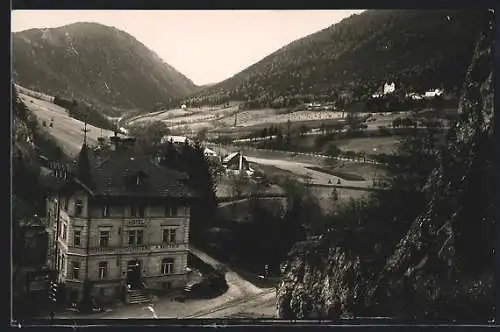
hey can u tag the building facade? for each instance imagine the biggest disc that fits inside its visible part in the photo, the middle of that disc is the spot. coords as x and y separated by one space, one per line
126 227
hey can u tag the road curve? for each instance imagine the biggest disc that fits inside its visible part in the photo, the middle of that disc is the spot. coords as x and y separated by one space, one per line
237 298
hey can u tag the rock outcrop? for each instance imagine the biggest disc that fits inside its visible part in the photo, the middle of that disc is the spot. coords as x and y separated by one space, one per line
443 267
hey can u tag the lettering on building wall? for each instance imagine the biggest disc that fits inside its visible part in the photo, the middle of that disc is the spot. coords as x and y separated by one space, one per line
135 222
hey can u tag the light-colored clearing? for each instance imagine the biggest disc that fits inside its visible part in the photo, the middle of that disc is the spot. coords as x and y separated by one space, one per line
368 144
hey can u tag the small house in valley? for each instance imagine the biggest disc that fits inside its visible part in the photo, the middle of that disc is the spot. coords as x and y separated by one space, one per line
236 163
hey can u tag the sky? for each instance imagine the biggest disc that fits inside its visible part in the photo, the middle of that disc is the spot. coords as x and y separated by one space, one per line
206 46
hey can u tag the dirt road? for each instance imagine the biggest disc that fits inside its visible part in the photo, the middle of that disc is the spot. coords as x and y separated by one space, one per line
241 296
259 306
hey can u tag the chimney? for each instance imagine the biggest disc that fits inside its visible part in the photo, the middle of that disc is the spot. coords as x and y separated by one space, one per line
241 162
114 140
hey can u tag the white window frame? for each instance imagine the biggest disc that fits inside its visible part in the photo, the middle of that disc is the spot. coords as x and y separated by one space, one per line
64 231
135 238
105 210
170 231
78 205
102 270
100 237
75 267
79 237
167 266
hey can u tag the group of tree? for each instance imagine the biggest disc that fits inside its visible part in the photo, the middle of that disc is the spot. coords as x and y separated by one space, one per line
85 113
277 225
407 122
28 198
191 159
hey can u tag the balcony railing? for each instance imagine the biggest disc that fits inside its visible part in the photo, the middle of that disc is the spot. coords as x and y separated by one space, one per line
95 250
169 245
136 248
132 248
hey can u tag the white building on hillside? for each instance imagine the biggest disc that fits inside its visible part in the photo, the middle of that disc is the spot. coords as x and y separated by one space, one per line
433 93
414 96
184 140
389 88
175 139
210 153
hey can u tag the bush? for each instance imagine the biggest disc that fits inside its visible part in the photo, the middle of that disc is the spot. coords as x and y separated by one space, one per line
333 150
384 130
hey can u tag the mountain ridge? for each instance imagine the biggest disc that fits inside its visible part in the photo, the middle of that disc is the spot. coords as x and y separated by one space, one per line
116 72
358 54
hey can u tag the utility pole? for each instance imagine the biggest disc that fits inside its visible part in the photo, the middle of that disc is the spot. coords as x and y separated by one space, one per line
56 237
85 131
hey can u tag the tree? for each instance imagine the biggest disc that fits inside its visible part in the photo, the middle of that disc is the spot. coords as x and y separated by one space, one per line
170 155
193 161
353 122
396 122
202 134
383 130
86 304
150 133
288 135
407 122
334 195
302 211
239 182
333 150
264 132
303 129
338 126
83 173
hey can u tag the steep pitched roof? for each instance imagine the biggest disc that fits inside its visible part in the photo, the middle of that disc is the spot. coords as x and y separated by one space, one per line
112 175
230 156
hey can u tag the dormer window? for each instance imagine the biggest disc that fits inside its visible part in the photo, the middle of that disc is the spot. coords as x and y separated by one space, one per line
137 179
105 210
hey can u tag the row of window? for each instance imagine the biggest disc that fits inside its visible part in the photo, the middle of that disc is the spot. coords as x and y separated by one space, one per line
166 268
135 210
61 260
135 237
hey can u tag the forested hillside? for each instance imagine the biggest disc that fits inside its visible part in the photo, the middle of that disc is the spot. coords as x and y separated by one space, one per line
101 65
417 49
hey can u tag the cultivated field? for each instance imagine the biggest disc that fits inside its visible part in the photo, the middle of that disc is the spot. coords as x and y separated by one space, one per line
299 116
222 119
34 94
66 130
368 144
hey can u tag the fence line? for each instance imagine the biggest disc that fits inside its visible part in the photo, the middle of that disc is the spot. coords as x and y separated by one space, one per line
291 153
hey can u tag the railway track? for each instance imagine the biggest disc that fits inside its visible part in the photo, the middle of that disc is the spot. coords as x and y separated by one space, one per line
230 304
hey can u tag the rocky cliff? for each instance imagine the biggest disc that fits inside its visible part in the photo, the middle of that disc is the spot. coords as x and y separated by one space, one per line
442 268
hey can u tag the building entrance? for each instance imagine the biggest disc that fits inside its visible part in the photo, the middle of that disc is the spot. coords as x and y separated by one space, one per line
134 273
